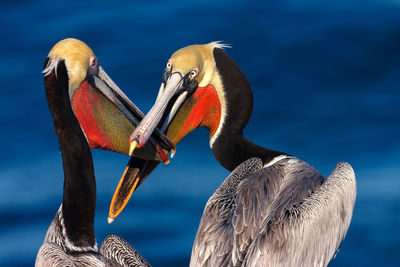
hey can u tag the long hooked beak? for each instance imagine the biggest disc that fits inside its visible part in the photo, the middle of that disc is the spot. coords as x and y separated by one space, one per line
137 171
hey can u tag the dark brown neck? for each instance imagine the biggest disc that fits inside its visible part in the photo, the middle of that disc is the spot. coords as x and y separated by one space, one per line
230 147
232 150
79 197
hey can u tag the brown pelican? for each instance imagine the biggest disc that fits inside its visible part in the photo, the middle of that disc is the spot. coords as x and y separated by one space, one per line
273 209
89 111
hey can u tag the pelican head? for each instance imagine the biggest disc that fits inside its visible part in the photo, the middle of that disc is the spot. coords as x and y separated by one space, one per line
107 117
192 85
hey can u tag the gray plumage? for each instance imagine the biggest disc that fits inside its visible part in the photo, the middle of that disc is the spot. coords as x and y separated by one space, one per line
58 251
114 247
286 214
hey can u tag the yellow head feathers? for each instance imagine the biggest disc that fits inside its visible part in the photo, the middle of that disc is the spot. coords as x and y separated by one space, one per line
76 55
196 56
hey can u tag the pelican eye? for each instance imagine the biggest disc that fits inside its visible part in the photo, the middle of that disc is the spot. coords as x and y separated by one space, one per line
92 61
193 74
169 65
93 65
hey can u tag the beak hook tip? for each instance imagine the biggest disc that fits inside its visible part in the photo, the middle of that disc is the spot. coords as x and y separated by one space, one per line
110 219
173 151
132 147
164 157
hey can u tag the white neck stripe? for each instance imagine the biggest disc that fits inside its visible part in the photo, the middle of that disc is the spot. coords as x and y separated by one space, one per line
276 159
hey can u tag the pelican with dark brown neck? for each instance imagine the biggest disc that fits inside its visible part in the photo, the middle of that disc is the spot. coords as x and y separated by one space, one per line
273 209
89 111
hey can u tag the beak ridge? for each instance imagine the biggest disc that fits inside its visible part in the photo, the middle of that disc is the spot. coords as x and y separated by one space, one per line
146 127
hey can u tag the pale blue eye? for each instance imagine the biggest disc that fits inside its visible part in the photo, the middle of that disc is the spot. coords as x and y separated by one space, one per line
193 74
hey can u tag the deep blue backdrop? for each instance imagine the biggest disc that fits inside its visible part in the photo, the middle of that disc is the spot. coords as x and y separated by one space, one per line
325 76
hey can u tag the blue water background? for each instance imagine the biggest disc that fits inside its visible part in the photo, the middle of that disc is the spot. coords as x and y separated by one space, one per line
325 76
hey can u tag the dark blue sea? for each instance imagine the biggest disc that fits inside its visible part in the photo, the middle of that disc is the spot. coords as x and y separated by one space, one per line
325 76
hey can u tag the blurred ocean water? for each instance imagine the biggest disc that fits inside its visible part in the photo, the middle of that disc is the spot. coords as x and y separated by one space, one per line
325 77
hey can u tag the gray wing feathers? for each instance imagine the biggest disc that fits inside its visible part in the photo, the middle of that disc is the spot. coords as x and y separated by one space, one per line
254 196
118 250
215 235
55 251
286 214
307 233
51 254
